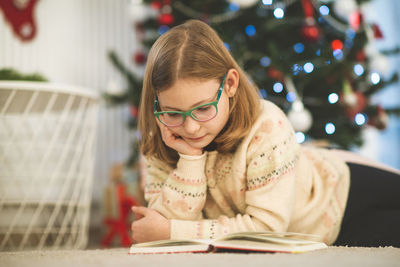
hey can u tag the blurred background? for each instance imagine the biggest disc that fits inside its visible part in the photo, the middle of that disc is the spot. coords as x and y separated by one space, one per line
70 83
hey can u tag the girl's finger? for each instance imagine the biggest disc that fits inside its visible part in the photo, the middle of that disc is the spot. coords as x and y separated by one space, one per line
139 212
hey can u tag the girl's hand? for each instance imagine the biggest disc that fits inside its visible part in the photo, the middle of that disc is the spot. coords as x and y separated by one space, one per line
149 225
176 142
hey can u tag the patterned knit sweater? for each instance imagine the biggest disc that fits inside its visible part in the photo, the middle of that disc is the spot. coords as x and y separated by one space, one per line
270 183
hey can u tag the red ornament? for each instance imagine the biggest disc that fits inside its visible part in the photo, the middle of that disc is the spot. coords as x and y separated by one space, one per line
308 8
361 56
156 5
139 58
336 45
165 19
311 32
380 119
377 31
355 20
20 16
134 111
275 74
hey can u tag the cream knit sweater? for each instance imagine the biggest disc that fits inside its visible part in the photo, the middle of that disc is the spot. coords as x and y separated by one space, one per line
270 183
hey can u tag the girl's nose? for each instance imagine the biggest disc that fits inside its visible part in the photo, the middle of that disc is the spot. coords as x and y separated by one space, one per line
191 126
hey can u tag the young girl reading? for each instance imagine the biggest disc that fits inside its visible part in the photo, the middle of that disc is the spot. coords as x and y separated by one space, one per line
220 159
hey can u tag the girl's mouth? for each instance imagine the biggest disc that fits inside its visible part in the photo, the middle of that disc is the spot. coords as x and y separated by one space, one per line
196 139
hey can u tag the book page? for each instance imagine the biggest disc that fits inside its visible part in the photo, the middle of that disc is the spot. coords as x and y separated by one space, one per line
268 239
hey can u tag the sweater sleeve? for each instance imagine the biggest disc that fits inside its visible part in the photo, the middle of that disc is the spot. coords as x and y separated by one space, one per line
178 193
271 154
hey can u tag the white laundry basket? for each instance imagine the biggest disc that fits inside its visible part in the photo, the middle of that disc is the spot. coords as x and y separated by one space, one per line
47 156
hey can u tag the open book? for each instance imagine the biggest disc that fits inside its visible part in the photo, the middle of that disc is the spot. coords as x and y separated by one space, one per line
244 241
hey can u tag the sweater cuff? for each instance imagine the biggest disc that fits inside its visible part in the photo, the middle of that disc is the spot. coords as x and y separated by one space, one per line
192 166
201 229
181 229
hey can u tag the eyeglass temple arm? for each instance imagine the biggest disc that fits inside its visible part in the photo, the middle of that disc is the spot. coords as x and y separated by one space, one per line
155 104
222 86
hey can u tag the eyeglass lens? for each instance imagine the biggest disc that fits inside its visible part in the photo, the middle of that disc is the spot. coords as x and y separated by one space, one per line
203 113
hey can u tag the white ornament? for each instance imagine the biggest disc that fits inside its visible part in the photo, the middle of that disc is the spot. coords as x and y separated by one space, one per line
244 3
350 99
300 117
370 49
114 88
138 12
344 8
379 63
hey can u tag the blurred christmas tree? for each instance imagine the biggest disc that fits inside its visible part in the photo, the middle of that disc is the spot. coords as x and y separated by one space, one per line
316 59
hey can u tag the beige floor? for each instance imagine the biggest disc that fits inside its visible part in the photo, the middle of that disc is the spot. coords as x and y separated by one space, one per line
333 256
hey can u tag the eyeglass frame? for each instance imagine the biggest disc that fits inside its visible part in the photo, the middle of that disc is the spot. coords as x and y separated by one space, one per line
189 112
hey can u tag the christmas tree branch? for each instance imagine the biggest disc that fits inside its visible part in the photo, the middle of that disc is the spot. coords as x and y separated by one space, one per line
373 89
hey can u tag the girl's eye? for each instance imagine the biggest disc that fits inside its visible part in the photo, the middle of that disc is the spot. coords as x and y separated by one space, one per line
204 108
172 115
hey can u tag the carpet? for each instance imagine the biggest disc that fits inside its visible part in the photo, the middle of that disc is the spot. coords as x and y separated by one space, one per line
332 256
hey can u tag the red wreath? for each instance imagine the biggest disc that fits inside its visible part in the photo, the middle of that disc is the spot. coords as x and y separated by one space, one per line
20 15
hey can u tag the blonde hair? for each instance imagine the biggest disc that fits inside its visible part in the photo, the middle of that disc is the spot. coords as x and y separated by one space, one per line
193 50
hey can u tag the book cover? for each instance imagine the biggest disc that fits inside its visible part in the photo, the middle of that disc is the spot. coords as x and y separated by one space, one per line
240 242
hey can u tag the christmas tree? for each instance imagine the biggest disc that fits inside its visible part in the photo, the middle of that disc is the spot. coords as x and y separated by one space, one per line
315 59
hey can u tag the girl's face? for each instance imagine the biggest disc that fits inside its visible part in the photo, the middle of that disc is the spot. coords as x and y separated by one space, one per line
189 93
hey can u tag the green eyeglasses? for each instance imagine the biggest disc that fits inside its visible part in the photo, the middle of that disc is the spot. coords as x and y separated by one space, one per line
202 113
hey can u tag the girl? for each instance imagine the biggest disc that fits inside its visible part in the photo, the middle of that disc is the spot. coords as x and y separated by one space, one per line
219 159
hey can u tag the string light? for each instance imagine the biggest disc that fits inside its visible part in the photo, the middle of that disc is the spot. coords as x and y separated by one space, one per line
324 10
360 119
350 33
291 97
308 67
338 54
163 29
250 30
265 61
296 69
279 13
234 7
263 93
358 69
300 137
375 78
267 2
333 98
330 128
278 87
348 43
298 48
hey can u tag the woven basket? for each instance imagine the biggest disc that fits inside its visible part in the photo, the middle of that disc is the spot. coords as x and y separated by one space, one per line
47 141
